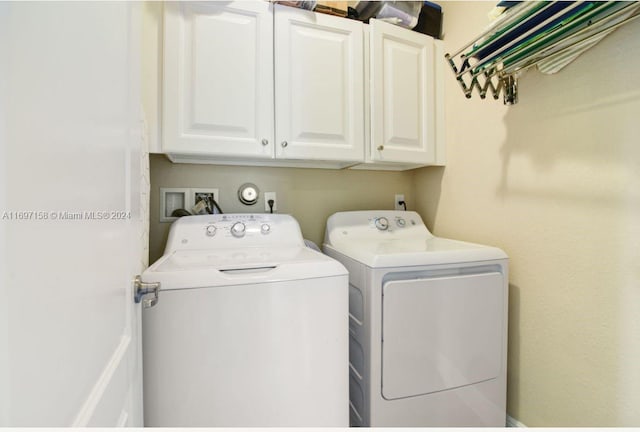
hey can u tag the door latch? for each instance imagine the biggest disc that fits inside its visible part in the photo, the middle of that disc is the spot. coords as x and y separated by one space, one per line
145 292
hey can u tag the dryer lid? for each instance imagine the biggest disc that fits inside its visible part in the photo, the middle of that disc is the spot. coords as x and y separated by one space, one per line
407 253
398 239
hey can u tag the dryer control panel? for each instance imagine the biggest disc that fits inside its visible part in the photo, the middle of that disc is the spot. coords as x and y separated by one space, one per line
374 224
387 223
223 231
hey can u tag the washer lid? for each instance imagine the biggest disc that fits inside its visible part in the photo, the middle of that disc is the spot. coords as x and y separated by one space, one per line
183 269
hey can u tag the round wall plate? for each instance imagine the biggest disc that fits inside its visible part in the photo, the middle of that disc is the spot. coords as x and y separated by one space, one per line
248 194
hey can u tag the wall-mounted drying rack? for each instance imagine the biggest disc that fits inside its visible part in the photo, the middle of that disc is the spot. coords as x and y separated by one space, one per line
547 34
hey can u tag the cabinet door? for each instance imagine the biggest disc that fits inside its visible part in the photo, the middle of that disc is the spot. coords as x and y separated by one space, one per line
402 95
218 78
319 86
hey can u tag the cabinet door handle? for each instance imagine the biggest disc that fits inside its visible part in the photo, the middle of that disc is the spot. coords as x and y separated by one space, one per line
265 142
380 147
284 144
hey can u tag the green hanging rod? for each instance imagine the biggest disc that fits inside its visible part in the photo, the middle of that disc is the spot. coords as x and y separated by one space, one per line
541 33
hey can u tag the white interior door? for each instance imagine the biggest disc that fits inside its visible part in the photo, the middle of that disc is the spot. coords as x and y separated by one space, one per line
70 214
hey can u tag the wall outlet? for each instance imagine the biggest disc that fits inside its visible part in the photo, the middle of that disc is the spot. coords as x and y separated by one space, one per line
201 200
270 196
398 199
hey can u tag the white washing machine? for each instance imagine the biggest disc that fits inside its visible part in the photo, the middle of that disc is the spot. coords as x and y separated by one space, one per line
428 323
249 327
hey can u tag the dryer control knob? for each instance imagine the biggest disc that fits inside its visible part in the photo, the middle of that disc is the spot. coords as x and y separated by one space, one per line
400 222
211 230
382 223
238 229
265 229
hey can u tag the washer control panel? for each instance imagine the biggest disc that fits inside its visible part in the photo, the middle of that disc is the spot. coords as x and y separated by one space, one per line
233 230
237 227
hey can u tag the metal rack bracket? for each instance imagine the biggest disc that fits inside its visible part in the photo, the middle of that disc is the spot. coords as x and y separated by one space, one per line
547 34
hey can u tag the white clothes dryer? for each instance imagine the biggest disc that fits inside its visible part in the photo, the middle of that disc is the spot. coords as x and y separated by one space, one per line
428 323
249 327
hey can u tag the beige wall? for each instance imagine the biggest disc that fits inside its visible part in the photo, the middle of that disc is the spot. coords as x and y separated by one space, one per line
310 195
555 182
151 69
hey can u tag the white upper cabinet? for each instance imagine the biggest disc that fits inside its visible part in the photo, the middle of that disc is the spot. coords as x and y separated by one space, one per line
252 83
319 86
403 93
218 79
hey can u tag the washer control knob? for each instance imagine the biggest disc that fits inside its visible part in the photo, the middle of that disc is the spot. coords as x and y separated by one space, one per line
265 228
211 230
238 229
382 223
401 222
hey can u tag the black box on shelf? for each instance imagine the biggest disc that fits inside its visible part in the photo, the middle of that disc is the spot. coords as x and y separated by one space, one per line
430 20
